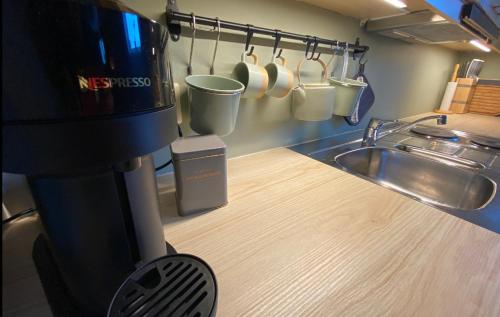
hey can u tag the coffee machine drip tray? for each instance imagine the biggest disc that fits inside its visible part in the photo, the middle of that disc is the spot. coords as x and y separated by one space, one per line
62 304
173 285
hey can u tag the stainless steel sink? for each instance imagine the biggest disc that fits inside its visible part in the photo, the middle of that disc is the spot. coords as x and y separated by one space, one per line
455 176
451 184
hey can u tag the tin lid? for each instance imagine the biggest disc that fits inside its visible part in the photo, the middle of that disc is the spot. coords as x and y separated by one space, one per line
197 146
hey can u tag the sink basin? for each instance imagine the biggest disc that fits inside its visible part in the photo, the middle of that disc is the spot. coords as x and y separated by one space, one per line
434 182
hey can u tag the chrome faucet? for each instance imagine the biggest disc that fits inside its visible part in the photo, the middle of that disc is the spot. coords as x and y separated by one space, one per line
372 131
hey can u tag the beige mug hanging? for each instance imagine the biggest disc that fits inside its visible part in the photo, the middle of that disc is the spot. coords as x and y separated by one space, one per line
280 78
252 76
313 101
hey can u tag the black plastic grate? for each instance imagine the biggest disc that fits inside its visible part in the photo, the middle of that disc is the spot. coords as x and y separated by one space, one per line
174 285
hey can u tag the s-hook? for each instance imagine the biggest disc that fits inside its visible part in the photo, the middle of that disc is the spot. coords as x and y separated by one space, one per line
362 60
193 28
345 62
355 50
314 50
334 49
247 42
212 69
276 43
308 46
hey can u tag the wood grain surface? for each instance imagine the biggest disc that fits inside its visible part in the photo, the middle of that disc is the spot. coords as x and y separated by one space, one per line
469 122
300 238
463 94
486 100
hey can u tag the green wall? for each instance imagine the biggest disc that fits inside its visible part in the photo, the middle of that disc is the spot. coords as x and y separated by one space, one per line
407 79
491 66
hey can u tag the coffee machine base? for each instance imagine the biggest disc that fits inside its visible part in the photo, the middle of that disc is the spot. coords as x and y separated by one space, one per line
60 301
101 226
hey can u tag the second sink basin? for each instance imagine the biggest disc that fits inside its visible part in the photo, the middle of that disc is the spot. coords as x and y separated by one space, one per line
431 181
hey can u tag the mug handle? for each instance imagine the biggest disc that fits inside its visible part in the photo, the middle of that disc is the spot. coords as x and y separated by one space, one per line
324 73
254 56
323 65
299 66
283 61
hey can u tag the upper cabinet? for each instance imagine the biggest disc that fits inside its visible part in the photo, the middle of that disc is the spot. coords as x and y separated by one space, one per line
460 25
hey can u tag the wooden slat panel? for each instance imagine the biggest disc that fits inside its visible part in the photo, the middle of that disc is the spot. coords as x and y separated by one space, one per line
485 99
492 88
479 108
476 105
488 91
484 104
487 86
485 95
485 110
493 113
481 101
462 96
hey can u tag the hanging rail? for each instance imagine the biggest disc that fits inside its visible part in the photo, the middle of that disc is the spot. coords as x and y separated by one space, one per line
174 18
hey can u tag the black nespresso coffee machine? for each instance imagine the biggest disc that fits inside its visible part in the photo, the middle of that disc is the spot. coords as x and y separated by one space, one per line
87 96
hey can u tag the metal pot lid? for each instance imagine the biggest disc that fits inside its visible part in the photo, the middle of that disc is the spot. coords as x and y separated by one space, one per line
433 132
485 141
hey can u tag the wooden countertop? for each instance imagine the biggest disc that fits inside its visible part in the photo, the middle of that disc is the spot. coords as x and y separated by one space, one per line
468 122
300 238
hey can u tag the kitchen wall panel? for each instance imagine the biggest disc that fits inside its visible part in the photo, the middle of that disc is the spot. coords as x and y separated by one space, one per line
491 66
407 78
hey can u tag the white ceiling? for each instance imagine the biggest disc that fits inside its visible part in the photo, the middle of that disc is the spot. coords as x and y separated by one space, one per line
366 9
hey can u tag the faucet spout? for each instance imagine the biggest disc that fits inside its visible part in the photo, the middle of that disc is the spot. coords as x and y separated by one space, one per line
443 119
372 131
